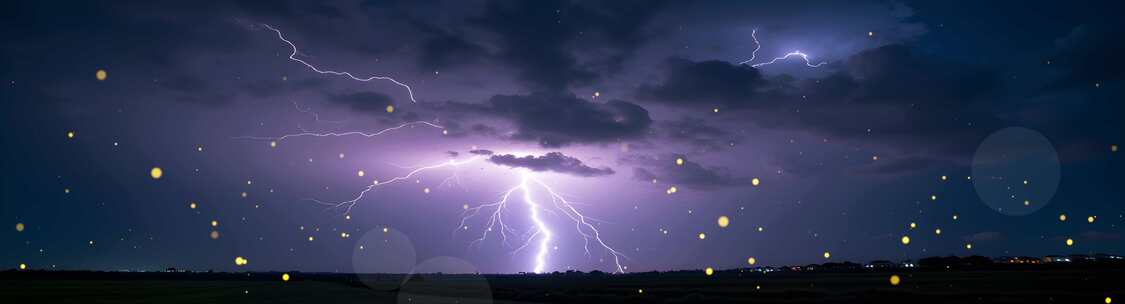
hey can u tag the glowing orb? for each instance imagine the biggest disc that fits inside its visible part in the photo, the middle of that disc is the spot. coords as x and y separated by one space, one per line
156 172
70 134
640 291
943 177
933 197
100 75
24 267
192 205
19 227
913 225
385 230
311 238
716 110
360 173
1108 300
709 271
273 144
285 277
1112 148
969 246
870 34
214 223
702 236
895 280
906 240
955 217
444 132
390 109
1062 217
937 231
426 190
1070 242
240 261
1090 219
724 221
671 190
214 235
755 181
874 157
751 261
760 229
827 255
679 161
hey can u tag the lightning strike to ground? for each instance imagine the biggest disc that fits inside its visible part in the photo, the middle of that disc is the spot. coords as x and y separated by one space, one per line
293 57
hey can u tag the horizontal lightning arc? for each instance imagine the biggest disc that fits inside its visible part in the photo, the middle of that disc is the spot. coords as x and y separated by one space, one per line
758 46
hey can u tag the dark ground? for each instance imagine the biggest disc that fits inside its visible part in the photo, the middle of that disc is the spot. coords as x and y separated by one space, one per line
1007 285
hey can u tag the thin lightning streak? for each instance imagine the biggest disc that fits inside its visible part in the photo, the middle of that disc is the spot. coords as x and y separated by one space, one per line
349 204
293 56
339 134
315 115
758 46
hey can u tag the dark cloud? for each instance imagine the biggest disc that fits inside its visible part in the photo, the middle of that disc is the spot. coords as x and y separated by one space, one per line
709 83
555 121
698 133
892 95
543 40
690 175
553 161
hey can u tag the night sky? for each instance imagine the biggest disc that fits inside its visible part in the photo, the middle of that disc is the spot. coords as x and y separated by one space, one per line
647 134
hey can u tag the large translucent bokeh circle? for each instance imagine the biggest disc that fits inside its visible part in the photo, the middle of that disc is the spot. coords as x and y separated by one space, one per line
446 280
382 259
1016 171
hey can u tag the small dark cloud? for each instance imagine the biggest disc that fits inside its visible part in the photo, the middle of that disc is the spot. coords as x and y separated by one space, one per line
452 153
481 152
709 83
553 161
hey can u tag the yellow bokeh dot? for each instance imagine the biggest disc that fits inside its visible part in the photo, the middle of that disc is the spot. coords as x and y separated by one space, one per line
390 108
933 197
751 261
19 227
709 271
1062 217
906 240
69 134
1108 300
943 177
827 255
640 291
1090 219
156 172
968 246
755 181
679 161
895 280
1070 242
214 235
240 261
671 190
913 225
100 75
24 267
273 144
1112 148
192 205
724 221
702 236
214 223
311 238
360 173
937 231
285 277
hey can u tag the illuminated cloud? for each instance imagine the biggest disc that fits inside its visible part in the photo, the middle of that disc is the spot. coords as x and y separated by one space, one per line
553 161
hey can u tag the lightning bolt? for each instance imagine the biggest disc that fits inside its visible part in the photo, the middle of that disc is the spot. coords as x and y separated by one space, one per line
758 46
293 57
540 230
305 133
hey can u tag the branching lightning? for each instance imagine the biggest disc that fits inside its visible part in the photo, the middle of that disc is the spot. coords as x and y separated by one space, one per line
293 56
758 46
539 236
